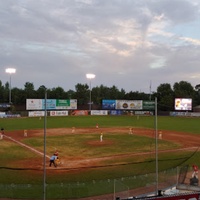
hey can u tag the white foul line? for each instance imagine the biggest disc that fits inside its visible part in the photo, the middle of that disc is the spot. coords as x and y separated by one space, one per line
24 145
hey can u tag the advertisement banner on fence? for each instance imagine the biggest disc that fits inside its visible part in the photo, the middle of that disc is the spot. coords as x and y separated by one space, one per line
108 104
51 104
194 114
80 112
4 105
185 114
2 114
73 104
99 112
116 112
143 113
59 113
36 113
148 105
66 104
129 104
33 104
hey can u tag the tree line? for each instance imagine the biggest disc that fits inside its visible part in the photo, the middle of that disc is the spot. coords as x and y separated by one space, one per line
165 94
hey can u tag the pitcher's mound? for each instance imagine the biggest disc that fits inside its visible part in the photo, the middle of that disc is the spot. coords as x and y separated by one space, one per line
99 143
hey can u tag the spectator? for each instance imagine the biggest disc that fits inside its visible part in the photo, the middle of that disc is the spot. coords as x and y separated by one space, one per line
195 171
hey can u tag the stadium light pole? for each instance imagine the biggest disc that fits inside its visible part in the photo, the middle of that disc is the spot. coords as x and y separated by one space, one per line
90 77
10 71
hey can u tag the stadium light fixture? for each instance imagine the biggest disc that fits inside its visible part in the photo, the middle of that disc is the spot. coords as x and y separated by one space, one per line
10 71
90 77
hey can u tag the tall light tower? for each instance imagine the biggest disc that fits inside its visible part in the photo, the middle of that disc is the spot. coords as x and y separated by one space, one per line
90 77
10 71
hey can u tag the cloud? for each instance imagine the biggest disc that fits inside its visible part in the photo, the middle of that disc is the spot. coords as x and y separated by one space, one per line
125 43
191 40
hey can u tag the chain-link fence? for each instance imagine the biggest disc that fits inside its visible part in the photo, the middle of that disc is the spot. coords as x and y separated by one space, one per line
123 187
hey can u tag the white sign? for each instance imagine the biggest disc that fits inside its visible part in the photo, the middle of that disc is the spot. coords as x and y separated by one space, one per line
36 113
99 112
2 114
58 113
33 104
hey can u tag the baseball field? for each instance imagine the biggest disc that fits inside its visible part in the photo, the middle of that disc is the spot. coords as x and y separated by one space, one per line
117 157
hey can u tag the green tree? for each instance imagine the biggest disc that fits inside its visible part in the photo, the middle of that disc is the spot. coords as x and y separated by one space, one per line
103 92
136 96
99 93
197 95
71 94
18 96
57 93
5 94
82 93
164 93
40 93
1 93
197 88
165 97
183 89
114 93
29 91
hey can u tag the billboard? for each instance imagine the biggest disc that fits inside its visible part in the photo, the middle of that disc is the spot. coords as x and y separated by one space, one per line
108 104
51 104
183 104
148 105
129 104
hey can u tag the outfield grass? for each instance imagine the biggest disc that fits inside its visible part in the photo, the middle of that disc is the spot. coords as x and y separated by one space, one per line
96 180
190 125
78 145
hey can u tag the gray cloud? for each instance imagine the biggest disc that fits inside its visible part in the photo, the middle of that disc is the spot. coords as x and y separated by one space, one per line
125 43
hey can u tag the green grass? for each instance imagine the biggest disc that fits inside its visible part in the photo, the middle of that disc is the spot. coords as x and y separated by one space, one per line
79 144
190 125
129 170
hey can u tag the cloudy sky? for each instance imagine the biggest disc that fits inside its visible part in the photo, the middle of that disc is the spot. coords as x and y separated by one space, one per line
127 43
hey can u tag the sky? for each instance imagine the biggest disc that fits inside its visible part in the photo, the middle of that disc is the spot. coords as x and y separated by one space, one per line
135 45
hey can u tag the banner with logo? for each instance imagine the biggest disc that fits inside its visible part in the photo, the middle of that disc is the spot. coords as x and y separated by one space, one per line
99 112
129 104
148 105
108 104
80 112
116 112
143 113
59 113
36 113
51 104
